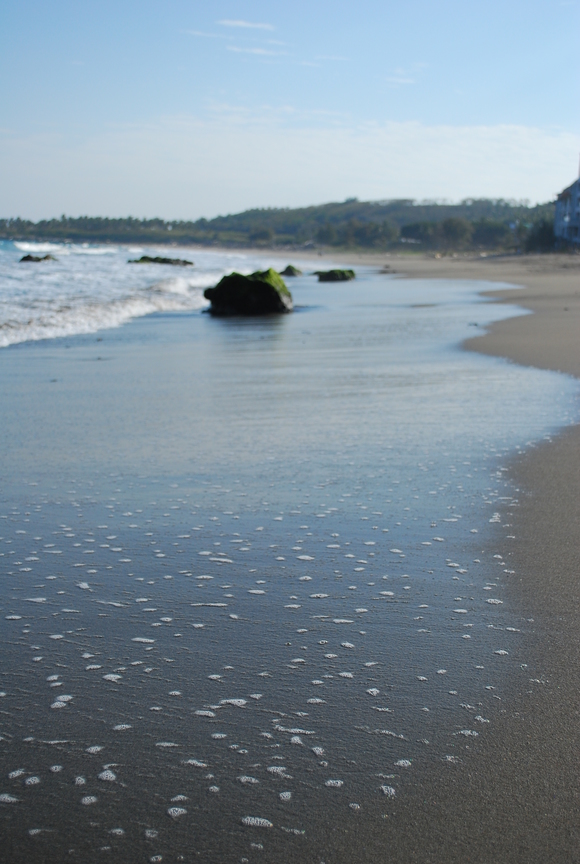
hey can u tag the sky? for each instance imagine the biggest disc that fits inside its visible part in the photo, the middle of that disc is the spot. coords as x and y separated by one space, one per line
182 109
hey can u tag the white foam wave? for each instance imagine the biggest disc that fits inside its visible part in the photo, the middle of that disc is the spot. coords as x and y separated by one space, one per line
183 286
65 249
38 247
91 317
85 249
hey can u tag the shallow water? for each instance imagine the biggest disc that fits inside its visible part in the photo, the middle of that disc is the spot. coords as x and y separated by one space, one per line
259 557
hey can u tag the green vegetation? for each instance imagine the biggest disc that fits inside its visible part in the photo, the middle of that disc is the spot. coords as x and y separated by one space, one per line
478 224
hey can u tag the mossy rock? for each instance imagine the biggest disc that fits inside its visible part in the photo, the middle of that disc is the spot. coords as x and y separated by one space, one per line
335 275
291 271
36 259
261 293
176 262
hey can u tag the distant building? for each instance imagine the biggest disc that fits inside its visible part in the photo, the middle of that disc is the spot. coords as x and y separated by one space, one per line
567 217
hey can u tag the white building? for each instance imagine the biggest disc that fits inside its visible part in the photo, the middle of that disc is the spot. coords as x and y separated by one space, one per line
567 216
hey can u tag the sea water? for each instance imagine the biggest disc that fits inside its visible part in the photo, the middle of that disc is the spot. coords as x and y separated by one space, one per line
251 584
88 287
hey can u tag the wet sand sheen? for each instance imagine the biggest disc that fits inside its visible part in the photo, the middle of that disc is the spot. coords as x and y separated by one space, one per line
517 799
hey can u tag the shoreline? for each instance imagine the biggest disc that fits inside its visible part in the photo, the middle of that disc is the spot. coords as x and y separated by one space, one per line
516 796
546 284
522 804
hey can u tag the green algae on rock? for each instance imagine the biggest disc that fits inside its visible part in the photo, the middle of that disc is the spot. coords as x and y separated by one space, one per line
261 293
291 270
335 275
176 262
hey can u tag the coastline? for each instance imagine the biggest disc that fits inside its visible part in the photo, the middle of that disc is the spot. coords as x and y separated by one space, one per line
547 285
517 798
516 795
535 754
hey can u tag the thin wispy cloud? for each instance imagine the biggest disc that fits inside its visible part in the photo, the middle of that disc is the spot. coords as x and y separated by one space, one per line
263 52
400 76
207 35
248 25
270 114
398 79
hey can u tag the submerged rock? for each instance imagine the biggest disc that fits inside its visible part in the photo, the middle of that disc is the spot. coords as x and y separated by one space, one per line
36 259
176 262
335 275
261 293
291 271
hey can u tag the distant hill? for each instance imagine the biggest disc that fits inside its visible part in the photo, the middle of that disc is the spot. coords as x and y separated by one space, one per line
472 224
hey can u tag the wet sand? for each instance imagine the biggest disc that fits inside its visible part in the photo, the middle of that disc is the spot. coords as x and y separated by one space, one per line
550 289
534 771
549 286
516 798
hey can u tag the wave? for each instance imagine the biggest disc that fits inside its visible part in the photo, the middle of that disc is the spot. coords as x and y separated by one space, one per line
37 247
91 317
65 249
90 288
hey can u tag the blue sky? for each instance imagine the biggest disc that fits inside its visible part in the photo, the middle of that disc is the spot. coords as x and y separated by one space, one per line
183 109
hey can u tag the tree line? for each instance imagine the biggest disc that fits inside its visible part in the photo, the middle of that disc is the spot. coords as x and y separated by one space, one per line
490 224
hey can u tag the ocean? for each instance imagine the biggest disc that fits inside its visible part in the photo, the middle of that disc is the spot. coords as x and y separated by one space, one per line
89 287
251 591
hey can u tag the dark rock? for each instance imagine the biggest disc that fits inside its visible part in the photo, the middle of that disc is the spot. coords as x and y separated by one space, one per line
36 259
262 293
291 271
335 275
175 262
